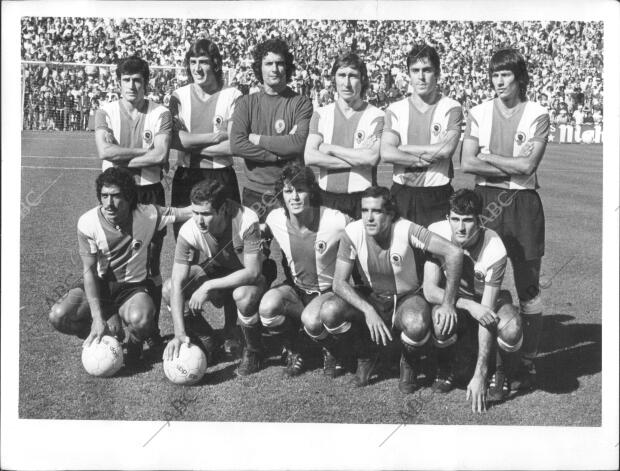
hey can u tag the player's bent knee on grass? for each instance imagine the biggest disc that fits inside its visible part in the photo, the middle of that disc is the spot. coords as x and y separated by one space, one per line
138 312
72 308
273 303
333 314
509 328
311 318
247 298
413 319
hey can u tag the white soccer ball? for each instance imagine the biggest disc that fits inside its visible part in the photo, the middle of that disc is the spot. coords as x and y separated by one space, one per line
104 358
189 367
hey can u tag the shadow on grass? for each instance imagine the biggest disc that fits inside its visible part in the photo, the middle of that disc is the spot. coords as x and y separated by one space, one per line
568 351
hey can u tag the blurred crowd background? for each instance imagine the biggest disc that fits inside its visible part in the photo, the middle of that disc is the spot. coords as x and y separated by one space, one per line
68 62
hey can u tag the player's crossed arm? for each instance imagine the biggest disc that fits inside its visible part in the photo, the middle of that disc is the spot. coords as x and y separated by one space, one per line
157 153
314 154
109 149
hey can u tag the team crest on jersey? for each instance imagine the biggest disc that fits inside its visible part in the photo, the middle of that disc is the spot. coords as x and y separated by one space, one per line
320 246
436 129
396 259
520 137
478 275
279 126
359 137
217 122
147 136
136 244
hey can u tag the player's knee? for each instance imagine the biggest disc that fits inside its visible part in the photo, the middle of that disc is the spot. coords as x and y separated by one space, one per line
331 314
414 326
57 316
509 329
312 323
246 298
270 306
140 318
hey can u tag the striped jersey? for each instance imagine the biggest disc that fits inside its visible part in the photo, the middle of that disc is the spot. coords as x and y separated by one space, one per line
198 112
505 135
361 130
412 127
483 264
122 256
311 254
152 120
390 270
224 252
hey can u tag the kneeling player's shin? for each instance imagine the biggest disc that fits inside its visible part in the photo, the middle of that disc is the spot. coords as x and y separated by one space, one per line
250 327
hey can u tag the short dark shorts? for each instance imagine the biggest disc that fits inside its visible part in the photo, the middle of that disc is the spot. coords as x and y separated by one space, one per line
306 297
152 194
260 203
185 178
114 294
347 203
383 304
422 205
518 218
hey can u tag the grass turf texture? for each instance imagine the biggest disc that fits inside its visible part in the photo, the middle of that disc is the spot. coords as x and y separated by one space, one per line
54 385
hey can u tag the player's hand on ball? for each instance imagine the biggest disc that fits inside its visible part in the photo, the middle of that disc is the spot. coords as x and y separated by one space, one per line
379 333
97 330
477 393
174 346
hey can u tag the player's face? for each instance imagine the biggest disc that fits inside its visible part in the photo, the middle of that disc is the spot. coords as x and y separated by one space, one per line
505 85
273 69
348 83
202 71
423 77
296 198
114 206
376 220
132 87
208 219
465 228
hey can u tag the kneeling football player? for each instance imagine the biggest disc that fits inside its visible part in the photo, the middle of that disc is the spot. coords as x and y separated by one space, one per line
384 247
217 259
113 243
479 299
309 235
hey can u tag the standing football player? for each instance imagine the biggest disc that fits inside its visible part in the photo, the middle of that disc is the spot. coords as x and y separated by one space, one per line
269 129
344 139
479 299
114 241
421 134
308 234
217 259
384 247
201 113
504 143
134 132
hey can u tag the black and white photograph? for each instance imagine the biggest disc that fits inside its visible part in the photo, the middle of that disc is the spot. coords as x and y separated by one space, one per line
310 235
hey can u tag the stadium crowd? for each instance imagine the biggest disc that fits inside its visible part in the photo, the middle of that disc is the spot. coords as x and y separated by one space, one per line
565 60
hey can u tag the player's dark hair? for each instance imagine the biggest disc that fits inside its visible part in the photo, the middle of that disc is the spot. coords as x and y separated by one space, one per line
466 202
389 205
121 178
133 65
204 47
355 62
424 51
295 174
209 191
512 60
276 46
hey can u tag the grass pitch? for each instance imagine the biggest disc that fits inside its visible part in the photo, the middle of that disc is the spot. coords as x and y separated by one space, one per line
58 173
